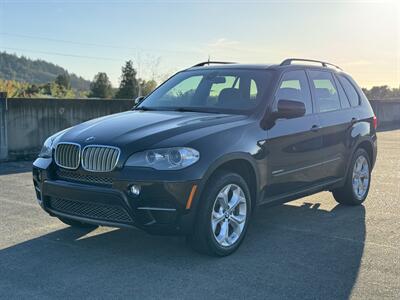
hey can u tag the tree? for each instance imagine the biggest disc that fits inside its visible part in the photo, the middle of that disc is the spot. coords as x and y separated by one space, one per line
382 92
129 86
63 80
37 72
101 86
147 87
59 91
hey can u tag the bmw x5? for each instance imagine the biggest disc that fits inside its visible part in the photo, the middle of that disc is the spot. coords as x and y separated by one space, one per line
207 147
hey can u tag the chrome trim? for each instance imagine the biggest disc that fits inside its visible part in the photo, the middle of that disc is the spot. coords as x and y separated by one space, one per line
79 155
277 171
283 172
157 208
103 163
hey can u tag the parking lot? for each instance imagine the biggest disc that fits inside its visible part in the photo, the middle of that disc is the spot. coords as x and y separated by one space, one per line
310 248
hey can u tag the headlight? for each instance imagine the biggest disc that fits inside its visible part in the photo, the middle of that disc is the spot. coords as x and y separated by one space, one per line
164 159
47 149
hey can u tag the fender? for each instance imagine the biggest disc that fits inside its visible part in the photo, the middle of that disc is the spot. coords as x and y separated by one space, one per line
218 163
360 133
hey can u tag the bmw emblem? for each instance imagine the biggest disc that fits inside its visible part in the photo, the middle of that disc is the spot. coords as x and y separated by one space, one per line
90 139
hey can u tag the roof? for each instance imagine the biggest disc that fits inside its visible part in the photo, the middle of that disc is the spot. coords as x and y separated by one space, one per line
287 63
232 66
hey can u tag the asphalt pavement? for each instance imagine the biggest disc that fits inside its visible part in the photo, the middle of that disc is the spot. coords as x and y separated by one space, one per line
311 248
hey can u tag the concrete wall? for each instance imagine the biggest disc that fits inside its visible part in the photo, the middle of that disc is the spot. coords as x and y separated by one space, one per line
26 123
30 121
3 129
387 113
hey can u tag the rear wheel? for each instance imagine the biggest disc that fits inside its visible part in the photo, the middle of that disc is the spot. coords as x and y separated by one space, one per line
358 180
223 216
76 224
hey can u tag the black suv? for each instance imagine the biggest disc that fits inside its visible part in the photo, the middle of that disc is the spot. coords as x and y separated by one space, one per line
200 153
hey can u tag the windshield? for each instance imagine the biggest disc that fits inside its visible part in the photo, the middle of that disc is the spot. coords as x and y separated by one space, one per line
222 90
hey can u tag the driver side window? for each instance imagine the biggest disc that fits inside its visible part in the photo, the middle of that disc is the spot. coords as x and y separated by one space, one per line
294 86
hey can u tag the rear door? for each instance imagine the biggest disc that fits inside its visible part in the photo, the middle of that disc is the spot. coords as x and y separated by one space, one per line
336 118
293 144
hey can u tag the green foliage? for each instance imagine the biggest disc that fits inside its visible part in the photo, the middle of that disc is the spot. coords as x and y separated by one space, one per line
101 86
59 91
22 77
64 80
147 87
381 92
37 72
129 86
15 89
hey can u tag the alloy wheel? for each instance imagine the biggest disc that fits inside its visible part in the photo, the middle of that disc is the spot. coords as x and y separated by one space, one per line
229 215
360 177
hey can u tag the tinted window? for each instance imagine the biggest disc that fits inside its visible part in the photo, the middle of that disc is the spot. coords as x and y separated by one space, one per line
344 101
253 90
226 82
184 91
211 90
326 95
294 86
351 93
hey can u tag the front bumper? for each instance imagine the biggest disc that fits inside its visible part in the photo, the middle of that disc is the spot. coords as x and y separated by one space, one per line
105 199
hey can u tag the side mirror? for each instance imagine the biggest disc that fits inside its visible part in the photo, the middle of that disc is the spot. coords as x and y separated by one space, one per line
290 109
138 100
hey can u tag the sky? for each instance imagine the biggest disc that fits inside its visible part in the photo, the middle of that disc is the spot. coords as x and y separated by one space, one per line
162 37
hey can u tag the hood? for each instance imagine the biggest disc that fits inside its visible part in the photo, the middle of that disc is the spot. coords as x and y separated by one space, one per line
143 129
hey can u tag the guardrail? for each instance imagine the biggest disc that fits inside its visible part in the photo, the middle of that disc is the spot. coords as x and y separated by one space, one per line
26 123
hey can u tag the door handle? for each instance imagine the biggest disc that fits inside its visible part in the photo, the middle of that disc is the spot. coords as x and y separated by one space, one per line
315 128
354 120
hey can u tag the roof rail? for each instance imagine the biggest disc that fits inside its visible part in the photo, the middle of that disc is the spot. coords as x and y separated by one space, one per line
212 62
325 64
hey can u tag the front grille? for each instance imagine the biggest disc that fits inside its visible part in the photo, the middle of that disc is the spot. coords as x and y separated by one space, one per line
111 213
77 176
67 155
96 158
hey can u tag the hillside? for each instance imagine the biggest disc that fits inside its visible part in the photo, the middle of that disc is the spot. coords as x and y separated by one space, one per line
13 67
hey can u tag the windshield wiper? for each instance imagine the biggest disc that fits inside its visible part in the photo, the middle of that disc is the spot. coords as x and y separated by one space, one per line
143 108
179 109
188 109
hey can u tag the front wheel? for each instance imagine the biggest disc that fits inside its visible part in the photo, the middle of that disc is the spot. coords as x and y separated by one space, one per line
358 180
223 216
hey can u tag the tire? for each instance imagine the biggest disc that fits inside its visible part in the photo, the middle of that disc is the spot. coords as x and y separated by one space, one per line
76 224
222 238
350 194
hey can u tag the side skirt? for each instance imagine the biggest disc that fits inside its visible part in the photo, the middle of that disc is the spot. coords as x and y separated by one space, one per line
325 186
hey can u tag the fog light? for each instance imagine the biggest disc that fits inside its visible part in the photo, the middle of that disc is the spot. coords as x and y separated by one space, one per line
135 189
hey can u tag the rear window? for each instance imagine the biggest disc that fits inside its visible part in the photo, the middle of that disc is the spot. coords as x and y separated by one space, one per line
350 91
325 92
342 95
